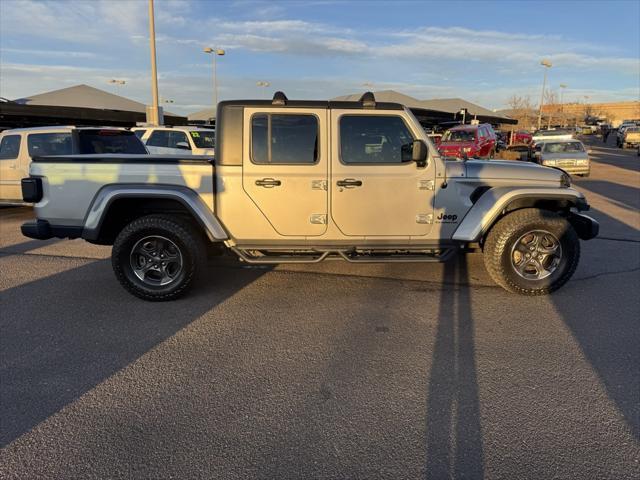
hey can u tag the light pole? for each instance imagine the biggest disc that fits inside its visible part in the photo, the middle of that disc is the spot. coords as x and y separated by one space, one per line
262 84
215 52
155 113
562 87
118 83
546 64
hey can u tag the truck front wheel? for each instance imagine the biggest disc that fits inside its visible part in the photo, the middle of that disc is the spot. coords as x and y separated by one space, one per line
531 251
156 257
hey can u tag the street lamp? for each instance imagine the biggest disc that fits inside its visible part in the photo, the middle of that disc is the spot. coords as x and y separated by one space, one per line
215 52
117 82
562 87
156 118
262 84
546 64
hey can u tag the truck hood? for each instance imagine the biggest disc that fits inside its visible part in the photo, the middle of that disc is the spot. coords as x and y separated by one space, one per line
511 170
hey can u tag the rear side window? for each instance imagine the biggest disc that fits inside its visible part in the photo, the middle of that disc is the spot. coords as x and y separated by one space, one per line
49 144
284 139
110 141
167 139
140 133
375 139
10 147
204 139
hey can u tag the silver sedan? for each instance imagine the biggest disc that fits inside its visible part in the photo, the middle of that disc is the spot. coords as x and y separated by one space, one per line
570 156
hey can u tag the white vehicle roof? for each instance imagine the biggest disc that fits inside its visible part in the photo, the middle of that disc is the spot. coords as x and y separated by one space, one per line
58 128
184 128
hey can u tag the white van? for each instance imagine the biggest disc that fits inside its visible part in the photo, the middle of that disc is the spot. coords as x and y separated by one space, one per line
179 140
20 145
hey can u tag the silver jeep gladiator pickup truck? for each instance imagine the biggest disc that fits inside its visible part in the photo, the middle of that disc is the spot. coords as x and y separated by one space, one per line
306 181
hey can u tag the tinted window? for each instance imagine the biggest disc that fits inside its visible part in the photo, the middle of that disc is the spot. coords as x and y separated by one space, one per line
140 133
10 147
109 141
204 139
167 138
288 139
374 139
49 144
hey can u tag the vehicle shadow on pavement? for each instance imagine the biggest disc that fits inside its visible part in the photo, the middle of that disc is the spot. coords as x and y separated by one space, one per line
607 330
64 334
454 434
622 195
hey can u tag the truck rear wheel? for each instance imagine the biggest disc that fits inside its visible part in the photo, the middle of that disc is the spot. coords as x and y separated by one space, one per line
156 257
531 252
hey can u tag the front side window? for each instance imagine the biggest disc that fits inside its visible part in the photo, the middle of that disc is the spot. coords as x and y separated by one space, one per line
284 139
49 144
376 139
10 147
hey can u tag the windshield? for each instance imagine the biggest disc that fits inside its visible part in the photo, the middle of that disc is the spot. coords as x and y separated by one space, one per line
565 147
549 133
110 141
459 136
204 139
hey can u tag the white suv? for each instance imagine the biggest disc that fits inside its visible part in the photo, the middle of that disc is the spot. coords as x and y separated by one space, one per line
20 145
177 140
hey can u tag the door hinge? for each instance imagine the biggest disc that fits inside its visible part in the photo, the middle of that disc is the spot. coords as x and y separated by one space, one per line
426 184
424 218
318 219
318 184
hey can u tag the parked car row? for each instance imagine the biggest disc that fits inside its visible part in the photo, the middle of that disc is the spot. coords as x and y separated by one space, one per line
19 146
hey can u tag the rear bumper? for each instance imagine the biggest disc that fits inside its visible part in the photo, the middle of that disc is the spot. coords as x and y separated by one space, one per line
585 226
42 230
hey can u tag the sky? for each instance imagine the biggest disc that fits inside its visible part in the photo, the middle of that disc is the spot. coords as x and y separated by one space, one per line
482 51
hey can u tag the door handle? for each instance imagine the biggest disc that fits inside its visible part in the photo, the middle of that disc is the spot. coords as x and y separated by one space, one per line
349 183
268 182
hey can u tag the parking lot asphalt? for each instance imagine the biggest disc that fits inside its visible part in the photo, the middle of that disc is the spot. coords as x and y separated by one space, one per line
326 371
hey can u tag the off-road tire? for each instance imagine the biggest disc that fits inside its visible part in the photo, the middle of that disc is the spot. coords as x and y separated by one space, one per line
502 237
179 231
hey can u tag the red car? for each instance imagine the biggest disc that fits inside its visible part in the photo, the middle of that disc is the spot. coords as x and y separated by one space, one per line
478 141
521 137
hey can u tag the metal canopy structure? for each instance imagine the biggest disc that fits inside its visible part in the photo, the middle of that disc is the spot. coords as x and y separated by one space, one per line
434 112
77 105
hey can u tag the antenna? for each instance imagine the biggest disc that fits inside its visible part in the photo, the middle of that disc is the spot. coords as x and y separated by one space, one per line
279 98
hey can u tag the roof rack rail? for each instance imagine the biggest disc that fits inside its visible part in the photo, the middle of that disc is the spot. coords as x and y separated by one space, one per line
368 100
279 98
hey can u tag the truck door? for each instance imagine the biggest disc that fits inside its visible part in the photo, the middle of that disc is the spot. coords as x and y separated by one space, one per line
10 169
285 167
376 189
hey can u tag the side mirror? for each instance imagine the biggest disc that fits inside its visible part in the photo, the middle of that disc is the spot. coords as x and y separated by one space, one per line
419 153
183 146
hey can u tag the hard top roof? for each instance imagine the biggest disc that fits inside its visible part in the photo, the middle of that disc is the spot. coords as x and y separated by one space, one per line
366 102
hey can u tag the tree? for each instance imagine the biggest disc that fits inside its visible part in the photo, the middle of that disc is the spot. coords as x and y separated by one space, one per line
521 110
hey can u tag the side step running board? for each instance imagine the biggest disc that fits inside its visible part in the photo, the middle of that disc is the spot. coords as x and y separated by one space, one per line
349 256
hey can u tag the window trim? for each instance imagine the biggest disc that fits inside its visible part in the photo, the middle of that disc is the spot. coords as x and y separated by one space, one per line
269 114
19 146
373 163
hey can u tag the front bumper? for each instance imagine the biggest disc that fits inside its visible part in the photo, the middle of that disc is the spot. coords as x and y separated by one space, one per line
42 230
